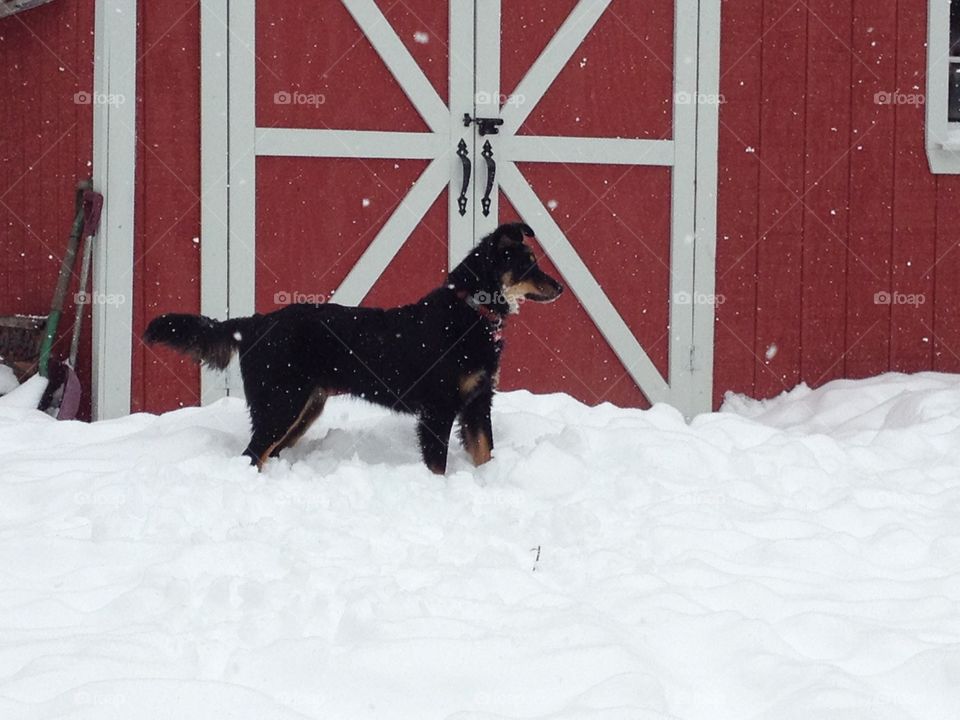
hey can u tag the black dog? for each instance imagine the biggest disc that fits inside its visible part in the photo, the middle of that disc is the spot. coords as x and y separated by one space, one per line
438 359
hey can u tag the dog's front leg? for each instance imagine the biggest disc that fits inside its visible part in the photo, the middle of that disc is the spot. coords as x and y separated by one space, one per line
434 433
476 427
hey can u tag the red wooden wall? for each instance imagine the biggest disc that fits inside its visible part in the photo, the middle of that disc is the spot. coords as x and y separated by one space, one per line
167 224
46 58
826 199
825 196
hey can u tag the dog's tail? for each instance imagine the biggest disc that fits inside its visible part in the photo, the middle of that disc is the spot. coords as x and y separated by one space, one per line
205 340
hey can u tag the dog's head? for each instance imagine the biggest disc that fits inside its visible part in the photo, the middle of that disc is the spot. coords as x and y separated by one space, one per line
515 266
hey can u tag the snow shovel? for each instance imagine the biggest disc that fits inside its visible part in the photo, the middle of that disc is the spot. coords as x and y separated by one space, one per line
72 392
50 402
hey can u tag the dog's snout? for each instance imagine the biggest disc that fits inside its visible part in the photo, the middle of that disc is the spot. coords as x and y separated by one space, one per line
554 286
548 289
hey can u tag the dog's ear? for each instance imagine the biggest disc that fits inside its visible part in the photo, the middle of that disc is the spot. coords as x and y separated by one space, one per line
512 234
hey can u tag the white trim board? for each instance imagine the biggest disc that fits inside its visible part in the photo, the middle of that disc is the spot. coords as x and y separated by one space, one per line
705 234
214 176
114 167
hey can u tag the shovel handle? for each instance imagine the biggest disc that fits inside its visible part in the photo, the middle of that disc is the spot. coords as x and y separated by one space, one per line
63 283
92 207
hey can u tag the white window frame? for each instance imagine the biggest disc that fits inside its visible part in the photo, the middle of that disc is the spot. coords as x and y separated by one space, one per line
943 137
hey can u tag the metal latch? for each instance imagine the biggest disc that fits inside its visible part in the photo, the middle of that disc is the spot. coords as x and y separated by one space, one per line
486 126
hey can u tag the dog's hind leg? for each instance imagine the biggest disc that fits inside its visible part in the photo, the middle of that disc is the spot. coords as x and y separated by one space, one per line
476 427
433 431
269 435
275 411
311 412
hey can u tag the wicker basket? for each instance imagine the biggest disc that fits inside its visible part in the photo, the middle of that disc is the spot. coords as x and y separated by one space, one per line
20 339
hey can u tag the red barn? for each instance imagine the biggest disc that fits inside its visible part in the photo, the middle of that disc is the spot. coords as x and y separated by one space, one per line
741 195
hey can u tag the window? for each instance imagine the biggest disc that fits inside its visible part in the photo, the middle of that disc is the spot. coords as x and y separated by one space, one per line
943 86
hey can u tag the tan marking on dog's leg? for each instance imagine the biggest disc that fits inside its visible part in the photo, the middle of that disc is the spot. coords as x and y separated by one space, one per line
266 453
470 382
313 410
478 445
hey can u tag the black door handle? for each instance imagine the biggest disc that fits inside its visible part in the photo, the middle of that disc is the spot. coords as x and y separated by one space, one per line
462 152
487 155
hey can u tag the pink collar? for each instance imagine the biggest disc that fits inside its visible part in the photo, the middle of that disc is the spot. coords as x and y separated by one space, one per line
484 311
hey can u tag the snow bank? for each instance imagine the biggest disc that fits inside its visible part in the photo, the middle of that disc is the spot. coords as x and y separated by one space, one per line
8 381
796 558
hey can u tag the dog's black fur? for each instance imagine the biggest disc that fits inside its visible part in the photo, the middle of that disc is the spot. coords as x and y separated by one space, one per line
438 358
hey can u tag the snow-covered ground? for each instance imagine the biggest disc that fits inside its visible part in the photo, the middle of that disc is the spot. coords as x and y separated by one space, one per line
793 559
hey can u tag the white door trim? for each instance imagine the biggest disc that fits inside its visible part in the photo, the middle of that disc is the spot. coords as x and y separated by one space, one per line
611 151
114 170
214 177
462 97
683 207
295 142
705 257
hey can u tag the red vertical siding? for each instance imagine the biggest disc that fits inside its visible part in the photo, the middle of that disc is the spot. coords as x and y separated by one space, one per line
826 189
45 148
915 203
781 158
873 219
874 46
167 254
737 220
